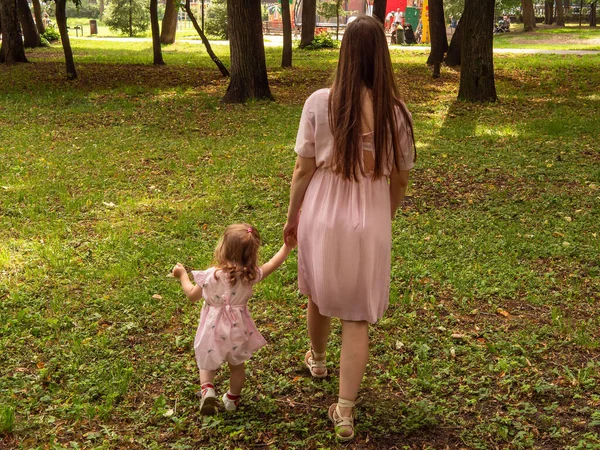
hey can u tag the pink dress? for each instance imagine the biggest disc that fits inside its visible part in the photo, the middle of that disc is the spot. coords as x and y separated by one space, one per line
226 332
345 232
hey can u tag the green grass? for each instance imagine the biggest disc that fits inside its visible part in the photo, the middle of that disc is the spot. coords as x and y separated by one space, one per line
550 38
492 336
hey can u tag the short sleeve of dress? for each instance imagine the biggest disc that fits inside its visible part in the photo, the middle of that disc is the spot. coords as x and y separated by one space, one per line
200 276
305 139
259 276
407 157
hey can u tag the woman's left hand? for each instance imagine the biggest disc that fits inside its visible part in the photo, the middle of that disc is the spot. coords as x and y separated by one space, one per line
290 233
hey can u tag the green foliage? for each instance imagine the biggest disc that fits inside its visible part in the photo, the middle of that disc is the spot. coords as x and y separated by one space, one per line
7 419
129 17
215 21
323 40
51 34
330 9
85 9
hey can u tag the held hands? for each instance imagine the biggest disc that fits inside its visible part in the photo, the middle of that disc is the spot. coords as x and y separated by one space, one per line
178 270
290 234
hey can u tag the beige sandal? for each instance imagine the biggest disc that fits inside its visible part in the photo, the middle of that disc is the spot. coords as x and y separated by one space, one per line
343 426
311 361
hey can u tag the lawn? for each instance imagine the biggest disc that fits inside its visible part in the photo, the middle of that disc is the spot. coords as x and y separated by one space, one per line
571 37
492 336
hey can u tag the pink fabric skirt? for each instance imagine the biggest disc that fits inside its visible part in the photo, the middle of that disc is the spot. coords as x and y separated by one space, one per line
344 246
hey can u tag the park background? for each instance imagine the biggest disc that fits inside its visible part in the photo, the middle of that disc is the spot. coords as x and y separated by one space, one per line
492 336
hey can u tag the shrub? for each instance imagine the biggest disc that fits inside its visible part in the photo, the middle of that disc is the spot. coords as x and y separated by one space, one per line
323 40
117 16
215 22
51 34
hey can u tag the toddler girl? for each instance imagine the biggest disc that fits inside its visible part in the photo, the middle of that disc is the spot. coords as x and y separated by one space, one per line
227 332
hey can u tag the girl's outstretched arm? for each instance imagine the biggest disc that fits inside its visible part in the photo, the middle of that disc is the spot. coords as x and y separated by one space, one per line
194 293
276 261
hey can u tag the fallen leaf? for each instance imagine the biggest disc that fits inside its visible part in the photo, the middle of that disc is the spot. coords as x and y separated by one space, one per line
157 297
169 412
502 312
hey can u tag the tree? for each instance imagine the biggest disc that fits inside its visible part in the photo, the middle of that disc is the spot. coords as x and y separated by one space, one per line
439 40
332 9
560 13
129 17
477 68
169 23
12 50
31 36
248 65
593 13
156 50
286 55
37 12
549 12
528 15
453 56
309 17
209 50
61 21
379 7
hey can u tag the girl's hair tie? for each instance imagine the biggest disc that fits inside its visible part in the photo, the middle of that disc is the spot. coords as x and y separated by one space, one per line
249 230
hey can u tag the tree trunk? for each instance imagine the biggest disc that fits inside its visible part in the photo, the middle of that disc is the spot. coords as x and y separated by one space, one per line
130 18
101 7
549 12
61 21
209 50
439 39
169 23
528 15
247 48
309 13
453 54
12 50
379 7
593 13
560 14
31 37
37 12
477 68
156 50
286 55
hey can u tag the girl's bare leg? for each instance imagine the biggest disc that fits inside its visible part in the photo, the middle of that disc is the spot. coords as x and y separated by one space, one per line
237 378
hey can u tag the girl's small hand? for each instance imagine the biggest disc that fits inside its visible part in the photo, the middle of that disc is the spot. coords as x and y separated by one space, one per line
178 270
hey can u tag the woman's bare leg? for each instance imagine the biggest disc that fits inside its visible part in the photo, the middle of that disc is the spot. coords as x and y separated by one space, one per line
353 360
318 332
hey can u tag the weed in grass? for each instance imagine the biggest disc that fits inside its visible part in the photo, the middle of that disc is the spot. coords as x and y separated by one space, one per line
7 419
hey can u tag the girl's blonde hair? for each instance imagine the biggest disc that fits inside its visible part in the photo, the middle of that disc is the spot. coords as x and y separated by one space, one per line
365 62
237 253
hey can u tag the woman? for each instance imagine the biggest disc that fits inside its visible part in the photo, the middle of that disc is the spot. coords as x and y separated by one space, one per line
355 150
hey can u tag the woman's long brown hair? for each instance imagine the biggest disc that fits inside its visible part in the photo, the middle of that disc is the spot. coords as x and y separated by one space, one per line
237 253
365 63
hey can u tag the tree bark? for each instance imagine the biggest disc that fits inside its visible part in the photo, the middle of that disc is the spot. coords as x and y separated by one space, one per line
528 15
286 55
309 13
439 39
247 49
453 56
61 21
169 23
560 14
379 7
477 68
37 12
156 50
101 7
549 12
593 13
209 50
12 50
31 36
